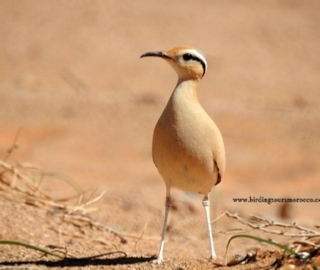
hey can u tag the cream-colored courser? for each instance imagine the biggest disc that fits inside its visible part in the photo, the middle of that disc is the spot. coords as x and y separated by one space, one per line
187 148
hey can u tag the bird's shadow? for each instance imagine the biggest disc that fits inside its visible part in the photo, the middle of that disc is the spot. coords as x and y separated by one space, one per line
81 262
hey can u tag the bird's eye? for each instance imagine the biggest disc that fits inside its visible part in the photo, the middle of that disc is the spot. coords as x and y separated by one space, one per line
187 56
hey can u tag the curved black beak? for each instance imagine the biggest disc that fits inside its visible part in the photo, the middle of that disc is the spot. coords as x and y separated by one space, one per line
157 54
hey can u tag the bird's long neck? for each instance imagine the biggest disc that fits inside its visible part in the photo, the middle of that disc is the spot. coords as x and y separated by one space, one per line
182 101
185 92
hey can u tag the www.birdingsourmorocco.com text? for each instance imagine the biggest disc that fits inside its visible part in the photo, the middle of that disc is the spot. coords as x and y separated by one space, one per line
261 199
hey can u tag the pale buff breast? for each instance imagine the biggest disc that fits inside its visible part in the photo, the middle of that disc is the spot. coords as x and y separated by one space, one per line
187 146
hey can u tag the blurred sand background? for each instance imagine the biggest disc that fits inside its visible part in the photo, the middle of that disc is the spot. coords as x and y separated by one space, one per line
72 80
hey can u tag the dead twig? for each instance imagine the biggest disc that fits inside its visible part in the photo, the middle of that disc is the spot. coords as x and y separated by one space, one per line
13 146
137 241
96 224
265 225
273 227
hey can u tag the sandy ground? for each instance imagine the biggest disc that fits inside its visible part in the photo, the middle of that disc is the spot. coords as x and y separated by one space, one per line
86 105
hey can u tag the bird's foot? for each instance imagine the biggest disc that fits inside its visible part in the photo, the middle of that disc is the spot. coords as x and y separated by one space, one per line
158 260
212 257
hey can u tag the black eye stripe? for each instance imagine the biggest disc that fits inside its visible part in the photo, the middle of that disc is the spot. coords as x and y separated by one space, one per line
189 56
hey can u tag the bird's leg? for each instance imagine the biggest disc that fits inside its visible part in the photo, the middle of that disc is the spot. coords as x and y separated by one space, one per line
168 205
206 204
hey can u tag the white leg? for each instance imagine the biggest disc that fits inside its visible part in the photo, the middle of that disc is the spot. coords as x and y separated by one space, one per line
206 204
168 205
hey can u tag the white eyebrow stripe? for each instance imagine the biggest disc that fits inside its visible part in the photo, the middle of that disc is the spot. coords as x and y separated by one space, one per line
200 56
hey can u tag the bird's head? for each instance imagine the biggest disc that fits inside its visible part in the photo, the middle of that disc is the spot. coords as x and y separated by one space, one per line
189 63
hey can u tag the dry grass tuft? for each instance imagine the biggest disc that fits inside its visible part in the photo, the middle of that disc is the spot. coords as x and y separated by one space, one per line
23 182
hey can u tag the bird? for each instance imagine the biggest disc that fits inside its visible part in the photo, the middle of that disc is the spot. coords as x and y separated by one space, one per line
187 147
